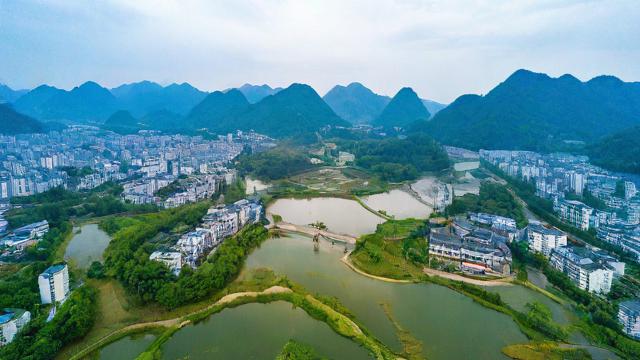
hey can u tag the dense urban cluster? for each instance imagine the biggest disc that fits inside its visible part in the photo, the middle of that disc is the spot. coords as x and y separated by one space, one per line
584 196
587 198
85 157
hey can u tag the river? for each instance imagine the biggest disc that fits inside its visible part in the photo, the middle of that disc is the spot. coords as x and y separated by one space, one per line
87 245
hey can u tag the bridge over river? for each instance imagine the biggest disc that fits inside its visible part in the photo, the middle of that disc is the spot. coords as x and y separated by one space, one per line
311 231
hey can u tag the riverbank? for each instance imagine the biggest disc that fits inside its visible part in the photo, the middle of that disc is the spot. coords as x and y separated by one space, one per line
345 259
456 277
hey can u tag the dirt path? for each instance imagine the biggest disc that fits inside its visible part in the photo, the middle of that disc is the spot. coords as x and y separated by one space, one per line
456 277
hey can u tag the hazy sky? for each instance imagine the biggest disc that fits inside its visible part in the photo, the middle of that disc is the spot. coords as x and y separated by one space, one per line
440 48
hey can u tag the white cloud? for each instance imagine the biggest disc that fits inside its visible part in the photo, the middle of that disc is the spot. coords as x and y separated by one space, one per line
441 48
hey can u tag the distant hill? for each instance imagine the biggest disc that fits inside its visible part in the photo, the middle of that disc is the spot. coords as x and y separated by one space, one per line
8 95
356 103
618 152
533 111
32 102
255 93
88 102
144 97
122 122
404 108
164 120
218 111
12 122
433 106
295 110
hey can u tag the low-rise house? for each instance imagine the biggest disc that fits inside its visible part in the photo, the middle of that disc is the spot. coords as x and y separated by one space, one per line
195 244
544 240
11 322
629 317
172 259
54 284
476 247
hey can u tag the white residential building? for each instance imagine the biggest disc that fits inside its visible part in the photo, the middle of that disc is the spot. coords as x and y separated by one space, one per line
544 240
629 317
11 322
575 213
582 270
54 284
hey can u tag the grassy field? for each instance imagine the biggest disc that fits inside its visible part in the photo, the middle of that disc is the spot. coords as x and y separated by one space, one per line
339 180
544 351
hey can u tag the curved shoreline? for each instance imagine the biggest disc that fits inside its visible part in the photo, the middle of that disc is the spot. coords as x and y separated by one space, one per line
179 321
346 261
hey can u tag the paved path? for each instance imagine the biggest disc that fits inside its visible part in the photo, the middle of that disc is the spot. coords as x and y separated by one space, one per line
456 277
311 231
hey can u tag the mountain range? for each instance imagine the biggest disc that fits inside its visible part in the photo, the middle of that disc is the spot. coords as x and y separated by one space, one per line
359 105
618 152
8 95
532 111
144 97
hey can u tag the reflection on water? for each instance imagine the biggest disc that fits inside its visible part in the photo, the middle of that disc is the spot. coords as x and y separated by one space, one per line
437 316
339 215
126 348
399 204
258 331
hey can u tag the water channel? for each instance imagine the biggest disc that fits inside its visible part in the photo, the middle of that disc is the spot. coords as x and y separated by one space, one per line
87 245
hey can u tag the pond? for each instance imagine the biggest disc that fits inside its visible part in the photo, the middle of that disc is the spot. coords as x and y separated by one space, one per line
339 215
87 245
258 331
398 203
126 348
437 316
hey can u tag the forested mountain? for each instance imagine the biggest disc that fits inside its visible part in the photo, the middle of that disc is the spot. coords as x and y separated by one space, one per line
217 111
144 97
12 122
356 103
255 93
618 152
32 102
533 111
122 122
295 110
8 95
404 108
87 102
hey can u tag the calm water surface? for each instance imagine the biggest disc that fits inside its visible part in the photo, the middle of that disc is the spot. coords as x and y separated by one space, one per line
87 246
258 331
399 204
339 215
126 348
437 316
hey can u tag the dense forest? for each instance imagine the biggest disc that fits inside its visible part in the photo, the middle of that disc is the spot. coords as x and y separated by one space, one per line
618 152
127 257
395 159
273 164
